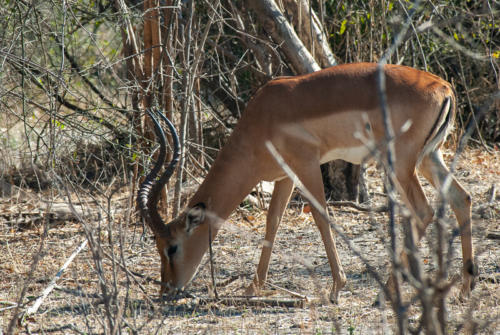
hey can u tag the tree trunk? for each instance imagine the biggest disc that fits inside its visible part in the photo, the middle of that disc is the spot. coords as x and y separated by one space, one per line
310 31
340 178
343 181
276 24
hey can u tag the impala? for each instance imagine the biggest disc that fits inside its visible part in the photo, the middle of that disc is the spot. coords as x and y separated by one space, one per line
312 119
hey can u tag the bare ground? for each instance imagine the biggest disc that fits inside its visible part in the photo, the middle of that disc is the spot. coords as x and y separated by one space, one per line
78 303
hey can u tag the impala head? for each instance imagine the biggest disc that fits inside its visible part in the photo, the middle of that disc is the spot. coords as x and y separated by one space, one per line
178 261
179 249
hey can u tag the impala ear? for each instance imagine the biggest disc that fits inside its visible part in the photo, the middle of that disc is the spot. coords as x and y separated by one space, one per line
195 216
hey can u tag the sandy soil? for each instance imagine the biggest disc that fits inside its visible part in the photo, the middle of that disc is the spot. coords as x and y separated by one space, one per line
96 293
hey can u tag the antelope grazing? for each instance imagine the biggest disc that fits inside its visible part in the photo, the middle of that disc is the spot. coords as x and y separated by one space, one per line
312 119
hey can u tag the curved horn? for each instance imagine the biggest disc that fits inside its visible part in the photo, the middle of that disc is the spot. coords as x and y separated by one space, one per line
149 191
175 158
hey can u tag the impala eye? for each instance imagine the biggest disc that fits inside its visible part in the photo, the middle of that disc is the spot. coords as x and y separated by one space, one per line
171 250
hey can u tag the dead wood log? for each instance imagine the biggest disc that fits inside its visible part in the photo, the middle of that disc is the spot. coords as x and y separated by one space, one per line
257 301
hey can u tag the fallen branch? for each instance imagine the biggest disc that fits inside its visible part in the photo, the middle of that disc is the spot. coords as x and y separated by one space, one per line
10 305
257 301
492 278
359 207
33 309
355 205
493 235
51 212
228 281
292 293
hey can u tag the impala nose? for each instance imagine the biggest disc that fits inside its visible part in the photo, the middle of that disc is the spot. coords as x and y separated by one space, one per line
168 290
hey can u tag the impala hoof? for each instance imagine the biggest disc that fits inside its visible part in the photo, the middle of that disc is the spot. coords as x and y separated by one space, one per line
251 291
334 297
470 273
467 286
337 286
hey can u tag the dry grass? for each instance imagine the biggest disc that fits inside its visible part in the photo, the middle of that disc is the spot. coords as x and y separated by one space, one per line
299 264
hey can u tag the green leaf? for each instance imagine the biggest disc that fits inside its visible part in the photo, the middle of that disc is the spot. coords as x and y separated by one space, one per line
343 27
59 124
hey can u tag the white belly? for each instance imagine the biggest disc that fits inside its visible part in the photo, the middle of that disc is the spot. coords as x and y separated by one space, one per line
353 155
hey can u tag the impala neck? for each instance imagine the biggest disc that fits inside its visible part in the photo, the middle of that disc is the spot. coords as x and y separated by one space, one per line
229 181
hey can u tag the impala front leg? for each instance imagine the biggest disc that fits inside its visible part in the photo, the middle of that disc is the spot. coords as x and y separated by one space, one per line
309 172
339 277
281 194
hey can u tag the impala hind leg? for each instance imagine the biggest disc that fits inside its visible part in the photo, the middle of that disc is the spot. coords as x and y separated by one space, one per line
435 171
281 195
414 197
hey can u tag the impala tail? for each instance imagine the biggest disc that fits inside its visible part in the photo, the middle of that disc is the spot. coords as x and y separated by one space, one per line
150 189
441 128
